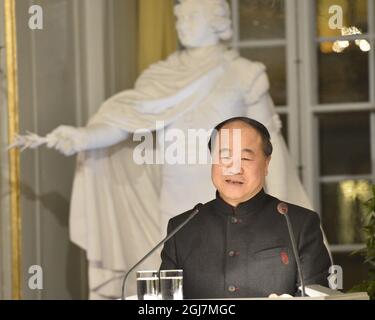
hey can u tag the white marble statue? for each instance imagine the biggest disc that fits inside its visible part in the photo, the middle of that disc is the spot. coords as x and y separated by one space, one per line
119 209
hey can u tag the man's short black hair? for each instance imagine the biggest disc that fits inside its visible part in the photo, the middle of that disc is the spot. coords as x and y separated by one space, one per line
260 128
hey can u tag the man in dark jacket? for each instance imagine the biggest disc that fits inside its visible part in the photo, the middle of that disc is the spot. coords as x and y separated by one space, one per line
238 245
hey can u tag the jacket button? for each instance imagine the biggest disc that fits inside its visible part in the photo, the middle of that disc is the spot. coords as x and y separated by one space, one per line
235 220
233 253
232 288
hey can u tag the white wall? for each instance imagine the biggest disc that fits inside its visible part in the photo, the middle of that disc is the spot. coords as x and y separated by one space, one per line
48 97
121 44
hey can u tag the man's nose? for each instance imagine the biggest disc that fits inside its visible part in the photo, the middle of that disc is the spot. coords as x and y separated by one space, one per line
233 167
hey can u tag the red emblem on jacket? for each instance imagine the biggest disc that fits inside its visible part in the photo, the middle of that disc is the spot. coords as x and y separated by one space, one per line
284 257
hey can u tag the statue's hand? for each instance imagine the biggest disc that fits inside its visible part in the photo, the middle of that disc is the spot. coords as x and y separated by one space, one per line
28 141
70 140
66 139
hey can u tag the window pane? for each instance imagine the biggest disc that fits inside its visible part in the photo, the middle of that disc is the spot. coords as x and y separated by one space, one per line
343 213
354 13
344 141
284 129
353 266
261 19
275 61
343 77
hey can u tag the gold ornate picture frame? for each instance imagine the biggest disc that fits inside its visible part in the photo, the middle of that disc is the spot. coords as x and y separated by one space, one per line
14 158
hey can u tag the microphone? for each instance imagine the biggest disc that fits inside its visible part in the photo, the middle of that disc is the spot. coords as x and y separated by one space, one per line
192 215
282 208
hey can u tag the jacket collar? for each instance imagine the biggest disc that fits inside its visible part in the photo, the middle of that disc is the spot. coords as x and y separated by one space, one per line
250 206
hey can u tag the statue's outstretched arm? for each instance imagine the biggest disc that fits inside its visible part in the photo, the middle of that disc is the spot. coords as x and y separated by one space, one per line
70 140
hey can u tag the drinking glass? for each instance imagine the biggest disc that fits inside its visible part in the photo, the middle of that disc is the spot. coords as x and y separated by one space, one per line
171 284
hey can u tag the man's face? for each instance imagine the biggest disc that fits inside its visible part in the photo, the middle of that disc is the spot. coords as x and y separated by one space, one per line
240 165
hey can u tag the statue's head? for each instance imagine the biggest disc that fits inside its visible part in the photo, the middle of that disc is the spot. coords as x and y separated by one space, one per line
203 22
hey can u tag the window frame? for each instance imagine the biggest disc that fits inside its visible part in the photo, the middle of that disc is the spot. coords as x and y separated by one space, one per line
291 110
302 101
310 108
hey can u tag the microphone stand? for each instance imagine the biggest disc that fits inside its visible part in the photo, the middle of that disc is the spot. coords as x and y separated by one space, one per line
193 214
282 208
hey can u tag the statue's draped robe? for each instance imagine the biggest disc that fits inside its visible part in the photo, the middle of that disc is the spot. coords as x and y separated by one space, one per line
119 209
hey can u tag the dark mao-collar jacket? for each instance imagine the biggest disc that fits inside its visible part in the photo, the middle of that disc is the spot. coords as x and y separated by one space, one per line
228 252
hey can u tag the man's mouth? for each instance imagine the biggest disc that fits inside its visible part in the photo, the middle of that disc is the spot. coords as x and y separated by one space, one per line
233 182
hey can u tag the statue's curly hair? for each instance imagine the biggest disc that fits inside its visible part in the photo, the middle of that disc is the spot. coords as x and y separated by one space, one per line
221 17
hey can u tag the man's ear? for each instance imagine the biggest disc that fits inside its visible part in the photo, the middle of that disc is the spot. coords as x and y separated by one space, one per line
267 165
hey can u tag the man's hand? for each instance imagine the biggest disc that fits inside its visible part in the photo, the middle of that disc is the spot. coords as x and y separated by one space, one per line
274 295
